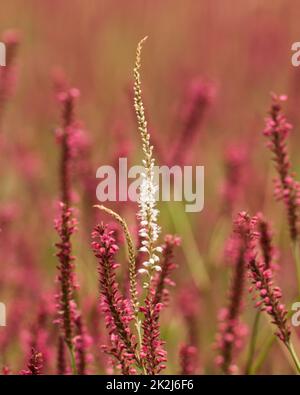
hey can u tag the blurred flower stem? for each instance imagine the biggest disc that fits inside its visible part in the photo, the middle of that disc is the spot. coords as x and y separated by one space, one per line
262 355
294 356
189 246
132 268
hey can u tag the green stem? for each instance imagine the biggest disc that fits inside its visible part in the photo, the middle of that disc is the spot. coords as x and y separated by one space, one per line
262 355
294 356
252 343
267 345
297 262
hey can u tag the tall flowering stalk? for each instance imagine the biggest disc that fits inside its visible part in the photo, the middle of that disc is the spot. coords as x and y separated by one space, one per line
267 295
148 212
132 269
65 225
188 359
268 251
118 311
152 351
231 330
286 188
66 306
82 342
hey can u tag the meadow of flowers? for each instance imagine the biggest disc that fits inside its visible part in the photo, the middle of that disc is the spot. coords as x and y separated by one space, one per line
147 288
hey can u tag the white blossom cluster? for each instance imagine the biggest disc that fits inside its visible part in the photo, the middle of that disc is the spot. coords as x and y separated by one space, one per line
148 214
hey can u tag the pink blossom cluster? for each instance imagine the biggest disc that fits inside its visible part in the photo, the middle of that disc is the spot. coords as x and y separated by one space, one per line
153 352
198 98
167 266
65 137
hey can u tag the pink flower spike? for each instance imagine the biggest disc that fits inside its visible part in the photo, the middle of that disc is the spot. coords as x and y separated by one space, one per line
286 188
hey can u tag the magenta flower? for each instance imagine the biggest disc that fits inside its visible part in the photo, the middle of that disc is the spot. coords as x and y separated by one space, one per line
286 188
61 356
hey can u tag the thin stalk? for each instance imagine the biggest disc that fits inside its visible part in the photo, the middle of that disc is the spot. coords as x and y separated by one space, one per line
252 345
297 261
267 347
72 358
